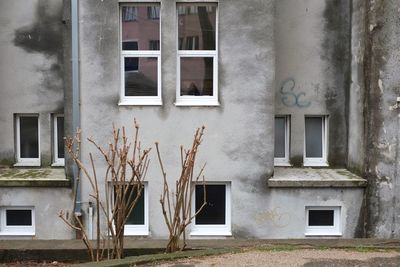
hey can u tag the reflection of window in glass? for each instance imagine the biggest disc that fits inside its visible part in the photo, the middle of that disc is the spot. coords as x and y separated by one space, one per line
282 137
58 137
17 221
28 148
129 13
315 141
197 54
323 221
140 52
214 218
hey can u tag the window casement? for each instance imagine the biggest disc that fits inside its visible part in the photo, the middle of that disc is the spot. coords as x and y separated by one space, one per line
140 54
282 140
27 140
323 221
58 140
197 63
316 141
215 218
17 221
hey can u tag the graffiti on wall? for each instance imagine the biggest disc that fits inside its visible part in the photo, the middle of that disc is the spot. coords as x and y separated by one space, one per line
290 97
275 217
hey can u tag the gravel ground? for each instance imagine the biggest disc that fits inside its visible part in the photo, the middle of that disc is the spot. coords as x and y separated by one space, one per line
300 257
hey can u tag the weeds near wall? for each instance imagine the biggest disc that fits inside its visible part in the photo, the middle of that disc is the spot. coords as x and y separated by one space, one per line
126 169
177 205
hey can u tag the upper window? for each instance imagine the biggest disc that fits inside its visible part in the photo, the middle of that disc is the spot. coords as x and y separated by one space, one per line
27 140
315 141
17 221
282 137
58 140
214 218
140 54
197 71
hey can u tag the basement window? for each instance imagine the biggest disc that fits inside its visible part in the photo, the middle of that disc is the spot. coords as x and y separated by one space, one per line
17 221
27 140
316 141
282 141
215 217
58 140
323 221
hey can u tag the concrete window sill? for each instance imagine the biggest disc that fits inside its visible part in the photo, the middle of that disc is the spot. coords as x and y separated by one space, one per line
314 177
33 177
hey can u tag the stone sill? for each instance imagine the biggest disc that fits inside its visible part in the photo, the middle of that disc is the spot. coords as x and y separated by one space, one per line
33 177
314 178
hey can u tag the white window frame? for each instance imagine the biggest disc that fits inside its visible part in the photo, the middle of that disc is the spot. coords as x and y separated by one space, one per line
57 162
137 229
22 230
197 100
285 160
138 100
334 230
322 161
25 162
214 229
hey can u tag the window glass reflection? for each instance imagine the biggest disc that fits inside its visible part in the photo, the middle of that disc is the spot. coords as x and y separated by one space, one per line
141 76
197 76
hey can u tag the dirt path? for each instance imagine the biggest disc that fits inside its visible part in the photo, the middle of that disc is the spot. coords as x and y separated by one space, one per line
301 257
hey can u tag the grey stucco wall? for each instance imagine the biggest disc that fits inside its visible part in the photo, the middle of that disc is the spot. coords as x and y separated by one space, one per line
30 69
382 84
312 70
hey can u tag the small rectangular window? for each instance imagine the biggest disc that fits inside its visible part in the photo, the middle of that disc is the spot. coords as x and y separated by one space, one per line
323 221
315 141
58 140
17 221
140 54
282 141
27 140
197 73
214 218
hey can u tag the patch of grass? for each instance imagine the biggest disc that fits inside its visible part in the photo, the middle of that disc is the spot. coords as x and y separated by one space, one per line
364 249
276 248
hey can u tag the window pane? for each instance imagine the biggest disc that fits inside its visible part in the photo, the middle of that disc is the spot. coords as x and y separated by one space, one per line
197 76
313 137
141 76
280 137
214 211
29 137
18 217
60 137
197 22
140 23
320 217
137 214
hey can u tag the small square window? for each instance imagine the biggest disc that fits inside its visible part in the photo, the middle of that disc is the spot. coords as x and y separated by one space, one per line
17 221
197 68
27 140
315 141
58 140
282 141
214 218
323 221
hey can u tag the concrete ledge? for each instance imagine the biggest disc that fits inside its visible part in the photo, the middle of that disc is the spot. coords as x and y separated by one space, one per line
33 177
314 177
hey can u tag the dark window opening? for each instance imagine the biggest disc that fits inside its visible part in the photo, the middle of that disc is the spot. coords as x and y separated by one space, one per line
214 211
320 218
136 217
280 137
29 137
60 137
18 217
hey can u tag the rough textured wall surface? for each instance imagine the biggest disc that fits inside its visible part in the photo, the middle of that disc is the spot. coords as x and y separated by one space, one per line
312 70
382 81
30 69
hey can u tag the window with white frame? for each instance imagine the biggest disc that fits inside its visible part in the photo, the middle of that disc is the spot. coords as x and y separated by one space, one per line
323 221
140 54
215 217
17 221
27 140
316 141
282 140
197 68
58 140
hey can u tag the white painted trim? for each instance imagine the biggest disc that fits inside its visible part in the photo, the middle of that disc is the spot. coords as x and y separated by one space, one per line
16 230
217 229
140 230
139 100
197 100
334 230
28 162
57 162
285 160
323 161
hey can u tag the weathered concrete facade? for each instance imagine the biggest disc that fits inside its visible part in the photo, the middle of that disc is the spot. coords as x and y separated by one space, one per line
335 58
